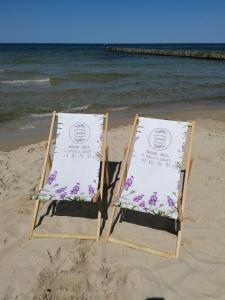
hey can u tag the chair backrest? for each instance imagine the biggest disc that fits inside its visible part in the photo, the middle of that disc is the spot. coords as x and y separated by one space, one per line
153 180
77 156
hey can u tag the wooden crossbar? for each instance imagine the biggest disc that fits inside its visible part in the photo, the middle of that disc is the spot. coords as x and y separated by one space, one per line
140 247
63 236
99 194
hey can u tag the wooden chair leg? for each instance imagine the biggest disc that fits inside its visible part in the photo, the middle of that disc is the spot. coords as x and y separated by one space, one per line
110 222
107 165
178 241
49 162
43 174
99 221
126 169
34 218
190 168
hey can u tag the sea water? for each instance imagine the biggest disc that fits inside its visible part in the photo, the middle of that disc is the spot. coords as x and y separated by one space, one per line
36 79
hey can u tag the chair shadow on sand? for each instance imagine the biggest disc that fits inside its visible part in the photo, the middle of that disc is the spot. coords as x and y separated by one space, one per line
147 220
84 209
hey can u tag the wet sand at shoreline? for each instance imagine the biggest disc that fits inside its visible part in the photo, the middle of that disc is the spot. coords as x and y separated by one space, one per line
12 139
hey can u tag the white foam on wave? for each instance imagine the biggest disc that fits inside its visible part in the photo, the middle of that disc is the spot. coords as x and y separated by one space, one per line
118 108
74 109
26 81
26 127
80 108
41 115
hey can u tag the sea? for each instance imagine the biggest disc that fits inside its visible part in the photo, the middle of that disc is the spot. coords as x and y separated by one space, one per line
36 79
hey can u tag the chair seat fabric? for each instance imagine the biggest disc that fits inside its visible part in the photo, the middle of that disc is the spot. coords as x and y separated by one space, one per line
77 156
153 180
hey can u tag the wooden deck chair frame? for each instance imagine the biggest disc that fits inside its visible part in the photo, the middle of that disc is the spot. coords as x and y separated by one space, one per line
182 198
97 197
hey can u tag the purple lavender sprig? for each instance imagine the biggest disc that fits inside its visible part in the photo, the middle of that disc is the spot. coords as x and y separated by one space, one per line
128 183
170 202
142 204
138 198
63 195
75 189
61 190
153 199
91 190
52 178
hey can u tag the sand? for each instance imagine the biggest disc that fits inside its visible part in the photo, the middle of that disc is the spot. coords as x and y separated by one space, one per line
74 269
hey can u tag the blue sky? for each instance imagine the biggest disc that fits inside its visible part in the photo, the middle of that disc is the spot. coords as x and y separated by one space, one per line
115 21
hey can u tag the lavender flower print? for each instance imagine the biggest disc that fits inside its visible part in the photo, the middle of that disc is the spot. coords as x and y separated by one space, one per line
61 190
138 198
142 204
91 190
52 178
63 195
153 199
183 147
128 183
170 202
75 189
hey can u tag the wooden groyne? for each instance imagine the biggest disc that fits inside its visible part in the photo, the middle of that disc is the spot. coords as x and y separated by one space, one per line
165 52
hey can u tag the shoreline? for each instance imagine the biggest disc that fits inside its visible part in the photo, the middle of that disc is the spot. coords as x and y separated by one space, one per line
13 140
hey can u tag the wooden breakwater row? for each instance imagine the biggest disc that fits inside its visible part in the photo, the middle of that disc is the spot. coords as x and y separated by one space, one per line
165 52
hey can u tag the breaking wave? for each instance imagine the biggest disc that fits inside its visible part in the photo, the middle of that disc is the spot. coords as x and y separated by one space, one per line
26 81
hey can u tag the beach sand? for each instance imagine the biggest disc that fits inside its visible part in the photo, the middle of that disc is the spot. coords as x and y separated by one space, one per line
74 269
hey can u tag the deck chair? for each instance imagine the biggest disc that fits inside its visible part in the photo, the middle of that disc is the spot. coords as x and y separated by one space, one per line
80 150
155 152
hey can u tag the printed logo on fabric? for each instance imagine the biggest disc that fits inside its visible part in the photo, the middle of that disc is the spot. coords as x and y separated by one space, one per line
160 139
79 133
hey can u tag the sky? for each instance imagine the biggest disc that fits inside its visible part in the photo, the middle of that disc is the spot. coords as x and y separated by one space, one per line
115 21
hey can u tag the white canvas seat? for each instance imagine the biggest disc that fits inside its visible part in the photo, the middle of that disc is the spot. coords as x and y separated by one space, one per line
153 179
76 165
76 173
154 182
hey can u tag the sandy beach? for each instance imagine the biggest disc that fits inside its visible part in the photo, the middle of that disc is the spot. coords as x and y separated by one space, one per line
74 269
